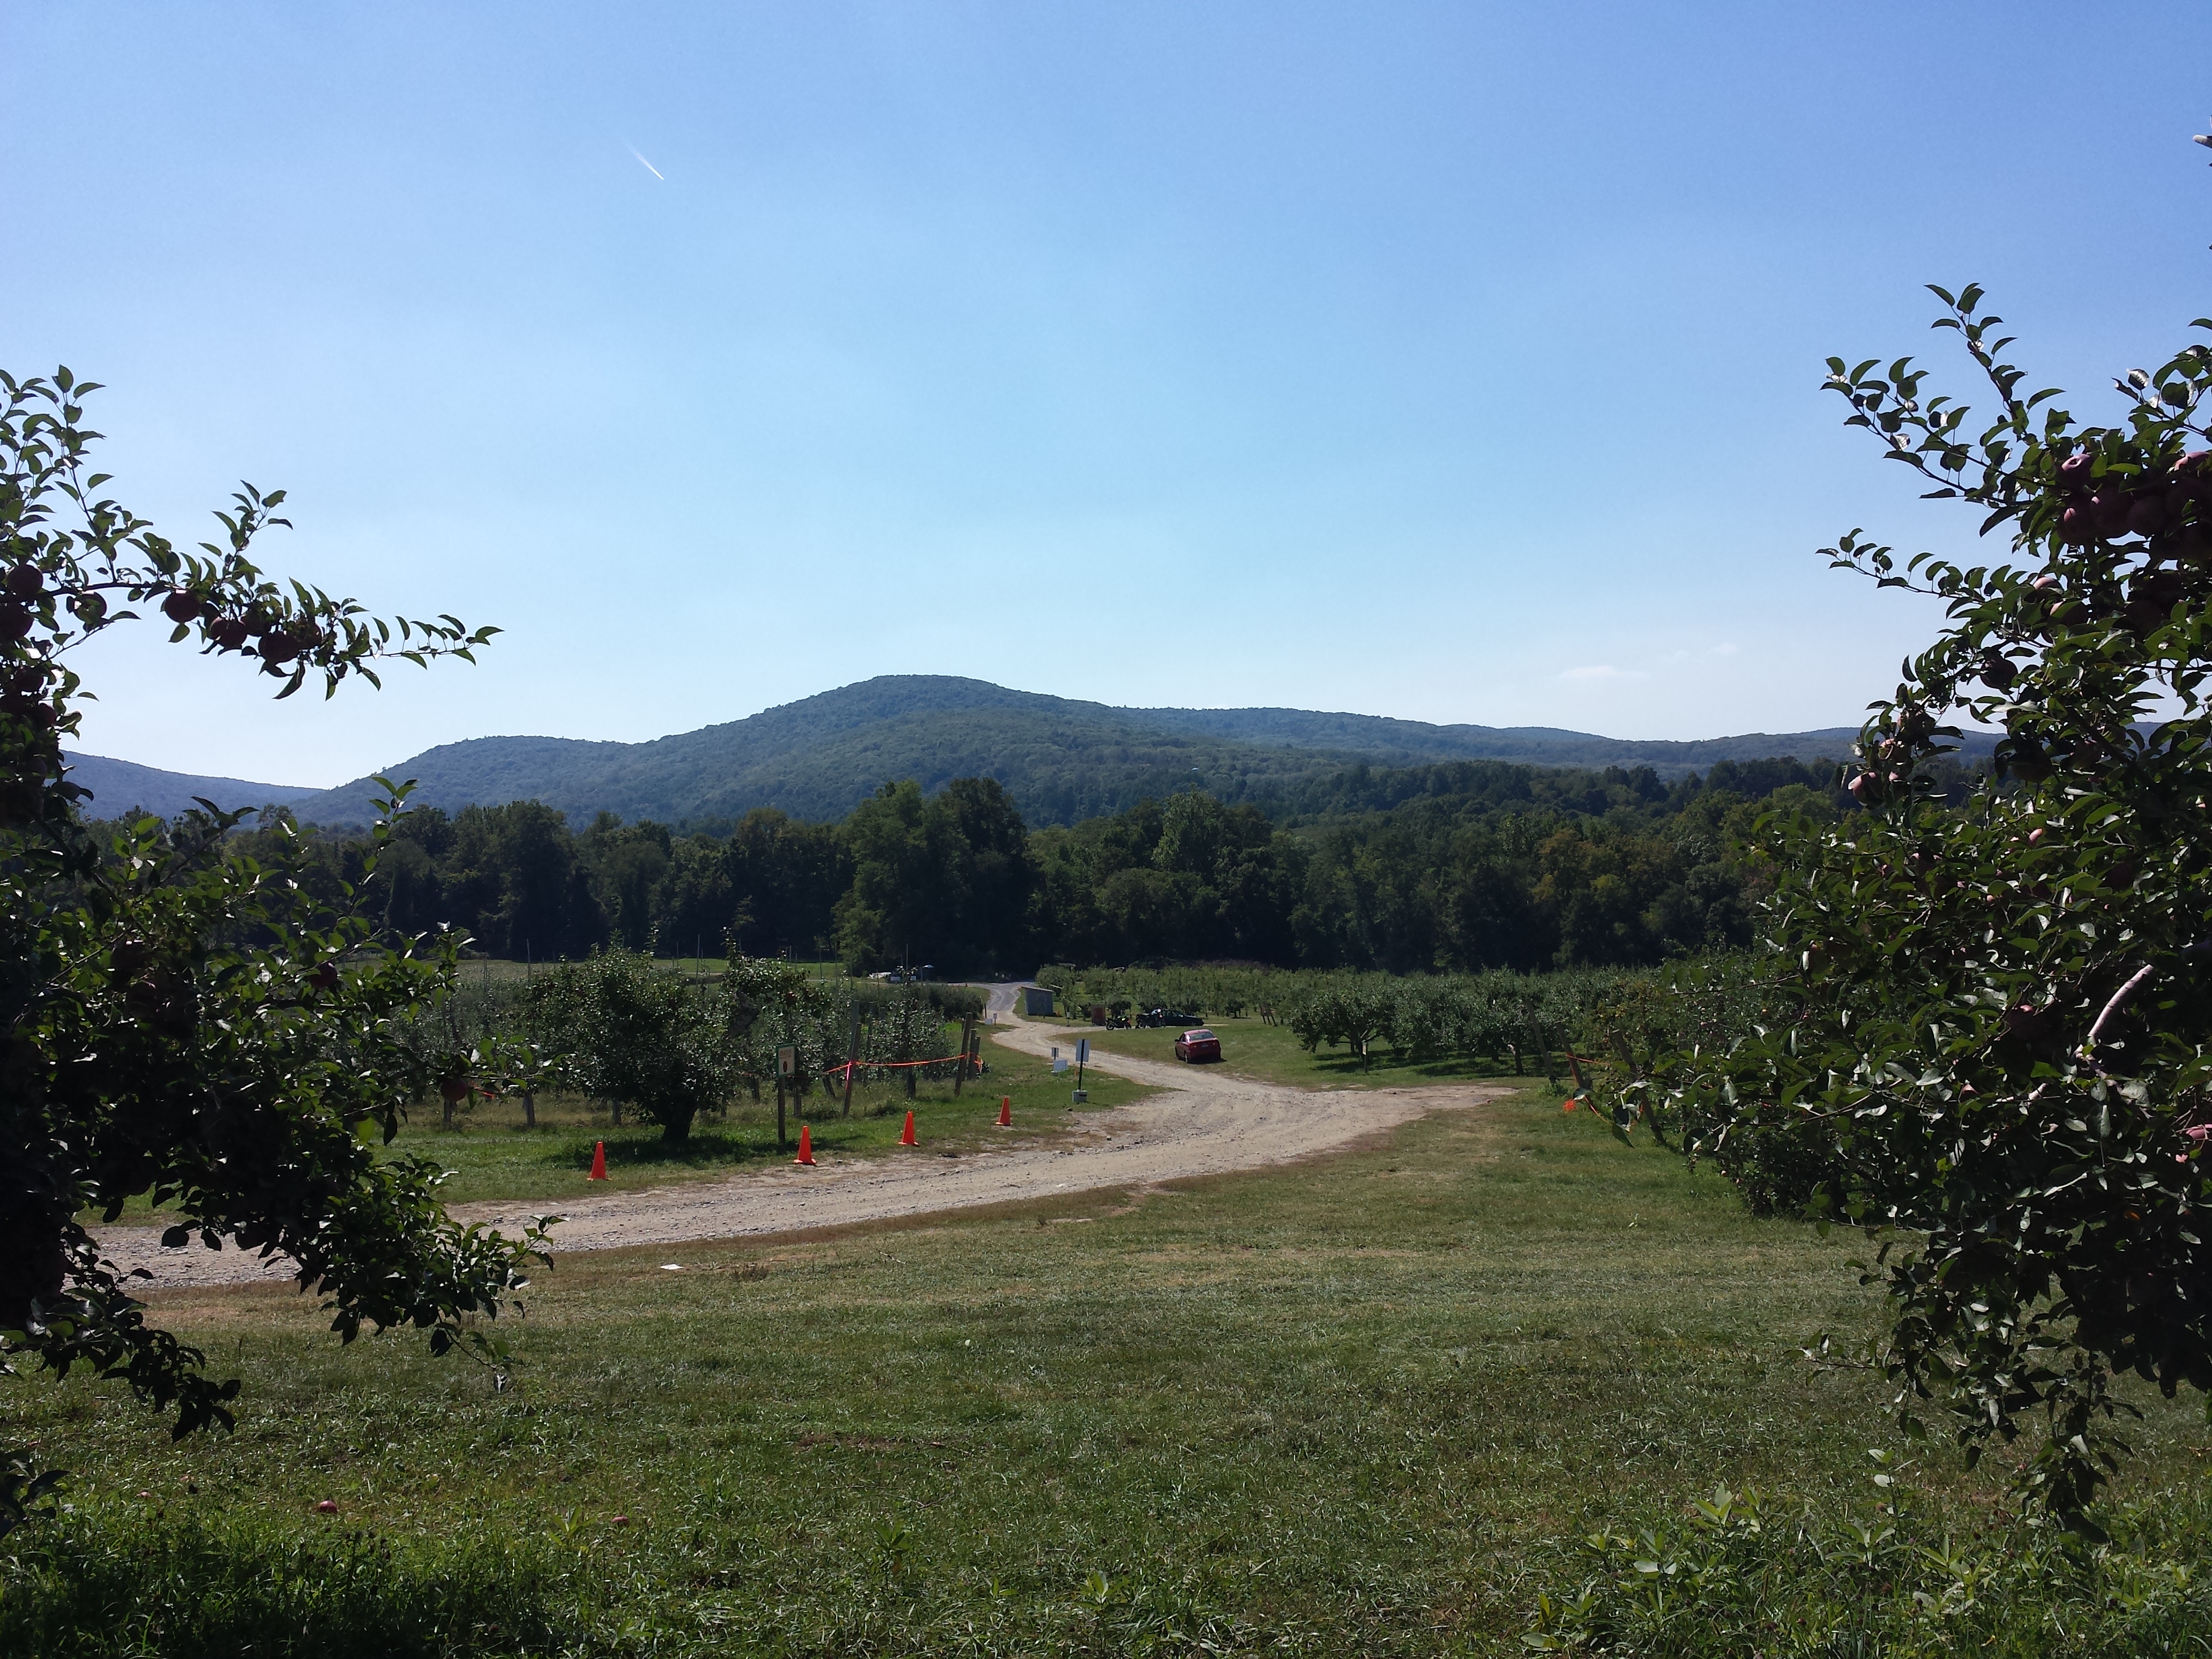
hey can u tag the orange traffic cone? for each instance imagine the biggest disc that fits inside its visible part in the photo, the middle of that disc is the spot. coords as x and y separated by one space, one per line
806 1147
1006 1111
906 1135
599 1162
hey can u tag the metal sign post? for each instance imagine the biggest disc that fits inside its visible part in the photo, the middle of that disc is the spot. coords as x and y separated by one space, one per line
1082 1059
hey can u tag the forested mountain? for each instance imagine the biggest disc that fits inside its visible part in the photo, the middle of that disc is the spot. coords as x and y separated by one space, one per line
1063 760
119 785
1466 866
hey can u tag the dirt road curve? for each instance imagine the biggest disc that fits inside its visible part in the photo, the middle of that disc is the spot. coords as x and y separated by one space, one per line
1208 1124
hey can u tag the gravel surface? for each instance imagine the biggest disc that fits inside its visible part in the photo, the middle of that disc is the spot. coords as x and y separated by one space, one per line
1206 1123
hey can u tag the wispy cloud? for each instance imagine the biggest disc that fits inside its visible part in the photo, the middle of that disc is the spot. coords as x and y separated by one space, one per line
1603 670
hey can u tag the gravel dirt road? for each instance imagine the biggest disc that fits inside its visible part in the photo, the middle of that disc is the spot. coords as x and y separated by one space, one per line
1205 1122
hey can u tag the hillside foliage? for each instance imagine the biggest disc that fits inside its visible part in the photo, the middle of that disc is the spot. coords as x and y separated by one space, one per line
180 1014
1461 867
1982 1030
1062 760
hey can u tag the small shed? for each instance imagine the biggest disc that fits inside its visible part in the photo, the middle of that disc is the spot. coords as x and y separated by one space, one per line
1036 1000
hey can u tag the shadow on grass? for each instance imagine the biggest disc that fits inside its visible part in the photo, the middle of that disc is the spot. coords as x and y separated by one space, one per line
648 1148
1441 1071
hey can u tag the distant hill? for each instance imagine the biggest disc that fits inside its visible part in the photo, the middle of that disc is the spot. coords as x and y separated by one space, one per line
118 787
1379 736
1062 760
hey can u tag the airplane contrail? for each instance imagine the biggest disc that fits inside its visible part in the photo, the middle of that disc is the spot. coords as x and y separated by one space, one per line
650 168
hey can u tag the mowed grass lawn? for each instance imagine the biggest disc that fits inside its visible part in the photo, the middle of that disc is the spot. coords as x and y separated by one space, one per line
1252 1048
1351 1406
491 1154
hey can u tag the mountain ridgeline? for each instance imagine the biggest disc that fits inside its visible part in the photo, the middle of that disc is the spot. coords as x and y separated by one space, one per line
1062 761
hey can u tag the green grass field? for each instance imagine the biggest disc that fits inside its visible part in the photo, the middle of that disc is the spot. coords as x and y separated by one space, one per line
1251 1048
492 1155
1358 1406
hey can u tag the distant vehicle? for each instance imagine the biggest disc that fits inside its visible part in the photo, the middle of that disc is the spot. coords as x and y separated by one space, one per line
1157 1016
1193 1046
909 976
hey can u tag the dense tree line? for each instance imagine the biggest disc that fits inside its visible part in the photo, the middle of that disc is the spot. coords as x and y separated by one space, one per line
1460 867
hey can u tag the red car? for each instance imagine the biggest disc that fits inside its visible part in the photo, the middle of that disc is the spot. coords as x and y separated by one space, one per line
1201 1044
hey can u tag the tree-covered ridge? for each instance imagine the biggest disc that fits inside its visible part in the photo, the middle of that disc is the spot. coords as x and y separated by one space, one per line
1061 760
1458 867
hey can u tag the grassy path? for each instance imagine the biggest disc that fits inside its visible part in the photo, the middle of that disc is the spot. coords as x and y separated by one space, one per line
1189 1121
1352 1406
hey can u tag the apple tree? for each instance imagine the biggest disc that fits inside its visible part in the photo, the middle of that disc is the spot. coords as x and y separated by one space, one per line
619 1027
1984 1030
177 1017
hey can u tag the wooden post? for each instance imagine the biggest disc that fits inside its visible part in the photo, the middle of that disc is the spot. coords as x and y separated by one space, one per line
852 1057
529 1110
959 1072
779 1110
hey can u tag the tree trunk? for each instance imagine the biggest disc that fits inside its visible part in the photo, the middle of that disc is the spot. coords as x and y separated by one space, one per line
32 1264
529 1110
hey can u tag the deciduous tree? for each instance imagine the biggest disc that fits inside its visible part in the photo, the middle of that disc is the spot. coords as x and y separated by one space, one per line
180 1019
1986 1033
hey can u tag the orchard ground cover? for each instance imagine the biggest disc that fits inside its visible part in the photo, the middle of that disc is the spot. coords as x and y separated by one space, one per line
490 1154
1252 1048
493 1156
1362 1405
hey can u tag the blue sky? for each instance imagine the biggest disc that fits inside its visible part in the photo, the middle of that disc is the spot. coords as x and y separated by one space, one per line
1458 362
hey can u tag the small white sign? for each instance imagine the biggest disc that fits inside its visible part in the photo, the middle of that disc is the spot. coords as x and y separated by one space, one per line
1083 1051
786 1061
1058 1067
